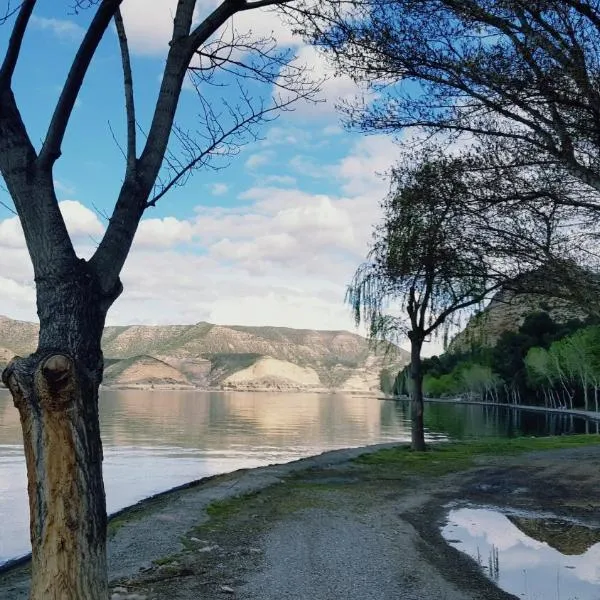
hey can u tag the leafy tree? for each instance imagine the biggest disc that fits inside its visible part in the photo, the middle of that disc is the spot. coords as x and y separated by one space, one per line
571 365
479 380
429 261
521 73
592 341
56 388
540 373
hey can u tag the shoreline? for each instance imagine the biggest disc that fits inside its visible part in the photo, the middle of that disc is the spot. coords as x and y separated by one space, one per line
375 395
229 534
18 561
586 414
266 390
329 457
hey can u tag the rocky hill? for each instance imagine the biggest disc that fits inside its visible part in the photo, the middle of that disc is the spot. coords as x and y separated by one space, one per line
506 312
211 356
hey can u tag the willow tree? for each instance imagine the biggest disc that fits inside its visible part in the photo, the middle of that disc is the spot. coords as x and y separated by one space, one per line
427 265
446 243
56 388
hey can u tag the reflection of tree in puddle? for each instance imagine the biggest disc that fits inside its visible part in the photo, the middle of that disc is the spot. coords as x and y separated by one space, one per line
494 564
568 538
531 557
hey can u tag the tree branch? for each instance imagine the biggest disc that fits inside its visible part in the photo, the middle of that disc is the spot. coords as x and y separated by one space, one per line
51 148
128 85
219 137
15 42
262 3
110 255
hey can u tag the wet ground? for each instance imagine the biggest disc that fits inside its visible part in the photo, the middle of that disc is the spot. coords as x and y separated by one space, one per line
529 554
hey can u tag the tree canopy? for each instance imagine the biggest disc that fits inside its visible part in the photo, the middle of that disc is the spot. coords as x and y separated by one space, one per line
520 73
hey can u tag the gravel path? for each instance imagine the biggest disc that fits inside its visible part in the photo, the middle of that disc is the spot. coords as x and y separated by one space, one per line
323 555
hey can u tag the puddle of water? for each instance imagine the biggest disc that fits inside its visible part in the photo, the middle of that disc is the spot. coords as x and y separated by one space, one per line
531 557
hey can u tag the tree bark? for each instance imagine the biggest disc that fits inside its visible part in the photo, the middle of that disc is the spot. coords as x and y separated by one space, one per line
56 392
417 432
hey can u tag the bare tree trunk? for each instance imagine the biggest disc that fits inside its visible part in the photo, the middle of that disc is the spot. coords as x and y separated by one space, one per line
56 392
417 432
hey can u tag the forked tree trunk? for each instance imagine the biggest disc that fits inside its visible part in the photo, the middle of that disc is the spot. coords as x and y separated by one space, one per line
56 392
417 430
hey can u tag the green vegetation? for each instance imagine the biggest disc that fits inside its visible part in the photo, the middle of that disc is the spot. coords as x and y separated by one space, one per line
134 513
544 362
260 508
224 508
456 456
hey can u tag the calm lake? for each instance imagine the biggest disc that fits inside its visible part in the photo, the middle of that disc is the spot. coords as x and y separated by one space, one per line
156 440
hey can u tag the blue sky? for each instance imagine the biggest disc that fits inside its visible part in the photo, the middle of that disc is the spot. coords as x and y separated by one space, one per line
272 239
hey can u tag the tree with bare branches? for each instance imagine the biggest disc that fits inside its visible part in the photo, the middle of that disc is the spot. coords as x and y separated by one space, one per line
56 388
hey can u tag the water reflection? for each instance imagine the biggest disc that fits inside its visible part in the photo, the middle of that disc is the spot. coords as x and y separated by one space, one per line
463 421
156 440
532 557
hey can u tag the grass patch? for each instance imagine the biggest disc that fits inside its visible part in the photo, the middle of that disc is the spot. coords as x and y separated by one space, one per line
134 513
254 510
456 456
220 509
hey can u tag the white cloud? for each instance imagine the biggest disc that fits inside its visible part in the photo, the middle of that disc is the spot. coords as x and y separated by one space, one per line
332 130
275 247
307 166
11 233
334 89
259 159
218 189
280 180
81 222
61 28
171 287
162 233
63 187
287 136
266 23
363 170
16 299
149 25
283 257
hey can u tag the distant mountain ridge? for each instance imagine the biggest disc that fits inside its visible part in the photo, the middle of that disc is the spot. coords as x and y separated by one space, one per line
210 356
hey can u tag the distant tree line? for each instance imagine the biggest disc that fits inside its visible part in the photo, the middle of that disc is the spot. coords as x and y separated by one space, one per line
544 363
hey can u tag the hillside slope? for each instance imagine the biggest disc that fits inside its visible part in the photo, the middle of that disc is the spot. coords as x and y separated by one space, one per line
506 312
225 357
